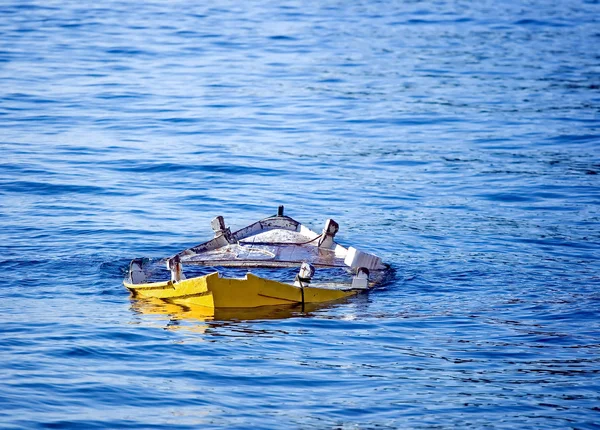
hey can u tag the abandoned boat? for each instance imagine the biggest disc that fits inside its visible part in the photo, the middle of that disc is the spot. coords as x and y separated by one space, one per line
277 243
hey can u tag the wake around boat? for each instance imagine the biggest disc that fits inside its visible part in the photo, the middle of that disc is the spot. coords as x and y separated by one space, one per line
324 270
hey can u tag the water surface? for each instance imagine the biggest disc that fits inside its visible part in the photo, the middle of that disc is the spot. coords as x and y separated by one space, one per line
458 141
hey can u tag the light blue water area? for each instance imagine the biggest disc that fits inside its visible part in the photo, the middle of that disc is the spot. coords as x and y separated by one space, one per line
460 141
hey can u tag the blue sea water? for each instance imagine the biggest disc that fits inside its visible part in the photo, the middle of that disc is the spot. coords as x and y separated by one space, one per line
458 140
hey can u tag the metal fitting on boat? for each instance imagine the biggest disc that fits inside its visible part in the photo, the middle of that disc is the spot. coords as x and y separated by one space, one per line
220 229
174 265
304 276
136 271
361 279
331 228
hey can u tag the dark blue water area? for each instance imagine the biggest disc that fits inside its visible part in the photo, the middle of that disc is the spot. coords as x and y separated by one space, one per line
460 141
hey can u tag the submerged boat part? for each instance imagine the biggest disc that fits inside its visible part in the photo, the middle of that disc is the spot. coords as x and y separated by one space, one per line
274 243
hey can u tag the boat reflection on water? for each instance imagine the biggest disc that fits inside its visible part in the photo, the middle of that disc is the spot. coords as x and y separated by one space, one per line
200 318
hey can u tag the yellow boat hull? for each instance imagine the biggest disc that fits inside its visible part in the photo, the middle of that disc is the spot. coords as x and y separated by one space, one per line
212 291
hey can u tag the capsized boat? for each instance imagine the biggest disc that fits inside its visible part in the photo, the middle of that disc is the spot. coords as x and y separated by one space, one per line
326 271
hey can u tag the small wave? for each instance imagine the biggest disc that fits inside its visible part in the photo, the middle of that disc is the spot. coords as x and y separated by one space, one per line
50 189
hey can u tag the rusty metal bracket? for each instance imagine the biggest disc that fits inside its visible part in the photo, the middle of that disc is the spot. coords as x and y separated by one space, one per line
218 226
